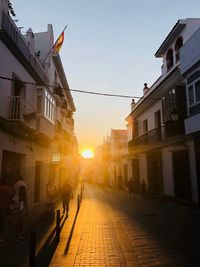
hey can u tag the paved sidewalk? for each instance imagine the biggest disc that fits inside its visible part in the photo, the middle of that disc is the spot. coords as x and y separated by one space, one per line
14 254
112 230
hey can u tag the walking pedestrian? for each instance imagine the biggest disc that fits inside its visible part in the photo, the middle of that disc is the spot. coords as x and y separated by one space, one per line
131 189
20 207
5 202
66 194
143 187
51 193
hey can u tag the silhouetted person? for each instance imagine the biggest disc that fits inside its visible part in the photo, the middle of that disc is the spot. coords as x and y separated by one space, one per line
143 187
51 194
131 189
20 207
66 195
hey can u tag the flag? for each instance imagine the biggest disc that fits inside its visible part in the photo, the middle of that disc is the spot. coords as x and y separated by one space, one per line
58 43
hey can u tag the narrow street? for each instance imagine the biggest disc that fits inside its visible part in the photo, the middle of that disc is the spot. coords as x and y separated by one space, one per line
112 230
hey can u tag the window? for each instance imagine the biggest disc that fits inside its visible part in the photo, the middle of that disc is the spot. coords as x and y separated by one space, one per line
197 90
135 128
169 59
145 126
178 45
191 95
193 88
157 119
50 106
169 104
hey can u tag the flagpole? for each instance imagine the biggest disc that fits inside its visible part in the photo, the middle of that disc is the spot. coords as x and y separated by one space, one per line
53 45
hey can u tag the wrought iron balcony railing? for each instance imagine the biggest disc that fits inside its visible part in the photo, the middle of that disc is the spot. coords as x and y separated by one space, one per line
15 35
148 138
20 109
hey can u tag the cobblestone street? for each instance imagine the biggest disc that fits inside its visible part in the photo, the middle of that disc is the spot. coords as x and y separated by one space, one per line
112 230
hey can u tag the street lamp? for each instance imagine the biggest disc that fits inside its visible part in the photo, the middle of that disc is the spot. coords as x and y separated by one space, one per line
55 158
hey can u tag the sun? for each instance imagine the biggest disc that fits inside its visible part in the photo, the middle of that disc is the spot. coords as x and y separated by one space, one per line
87 153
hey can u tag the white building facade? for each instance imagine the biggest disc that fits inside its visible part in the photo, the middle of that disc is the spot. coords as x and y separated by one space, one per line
37 137
162 150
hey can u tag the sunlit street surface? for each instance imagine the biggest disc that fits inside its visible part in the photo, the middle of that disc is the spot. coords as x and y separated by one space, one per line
112 230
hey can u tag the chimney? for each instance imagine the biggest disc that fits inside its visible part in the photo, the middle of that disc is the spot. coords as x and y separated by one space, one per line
145 89
133 104
3 8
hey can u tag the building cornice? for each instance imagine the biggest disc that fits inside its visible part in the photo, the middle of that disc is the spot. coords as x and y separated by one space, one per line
60 69
176 30
157 90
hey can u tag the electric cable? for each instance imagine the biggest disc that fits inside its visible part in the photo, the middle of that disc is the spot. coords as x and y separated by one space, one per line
92 92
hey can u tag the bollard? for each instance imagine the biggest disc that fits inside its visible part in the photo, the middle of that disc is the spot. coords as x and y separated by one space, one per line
32 248
81 195
78 202
58 225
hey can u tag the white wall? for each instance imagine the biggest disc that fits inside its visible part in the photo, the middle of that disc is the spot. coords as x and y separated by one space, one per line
192 124
10 64
149 115
191 27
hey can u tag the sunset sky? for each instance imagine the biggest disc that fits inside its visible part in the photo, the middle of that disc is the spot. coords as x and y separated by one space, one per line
109 47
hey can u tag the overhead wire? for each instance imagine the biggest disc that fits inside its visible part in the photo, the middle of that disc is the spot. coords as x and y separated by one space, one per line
89 92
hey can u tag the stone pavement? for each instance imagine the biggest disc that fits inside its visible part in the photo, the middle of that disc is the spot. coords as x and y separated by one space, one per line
14 254
112 230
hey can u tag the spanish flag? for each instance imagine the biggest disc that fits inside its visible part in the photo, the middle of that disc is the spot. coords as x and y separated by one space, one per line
58 43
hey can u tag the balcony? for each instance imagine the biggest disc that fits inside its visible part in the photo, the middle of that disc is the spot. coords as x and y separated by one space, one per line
20 119
21 110
45 132
174 128
15 41
154 135
150 137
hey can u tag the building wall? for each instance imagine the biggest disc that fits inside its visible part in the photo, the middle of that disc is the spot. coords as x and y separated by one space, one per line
192 124
31 153
149 116
6 71
191 27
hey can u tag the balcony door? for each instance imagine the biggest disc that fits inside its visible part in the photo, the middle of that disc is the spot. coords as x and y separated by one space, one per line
154 172
17 97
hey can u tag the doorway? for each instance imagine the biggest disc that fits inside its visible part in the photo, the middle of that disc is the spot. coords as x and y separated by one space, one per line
181 169
154 172
11 166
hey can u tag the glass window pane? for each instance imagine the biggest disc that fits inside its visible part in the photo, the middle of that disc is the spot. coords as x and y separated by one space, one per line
197 90
191 94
